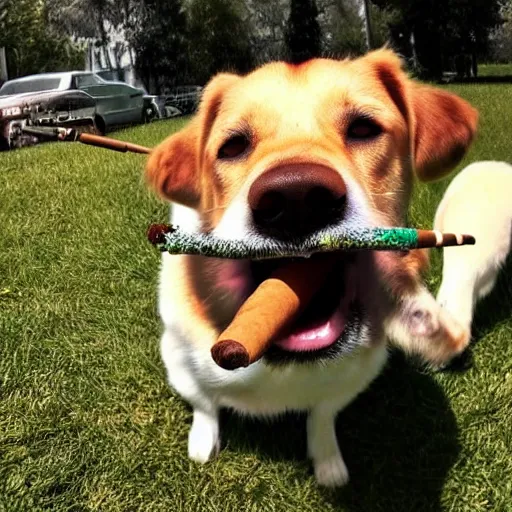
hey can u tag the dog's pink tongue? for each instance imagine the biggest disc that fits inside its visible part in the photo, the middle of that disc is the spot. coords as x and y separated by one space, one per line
325 331
316 336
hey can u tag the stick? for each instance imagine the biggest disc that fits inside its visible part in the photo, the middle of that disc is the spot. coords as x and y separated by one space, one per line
171 239
72 135
434 238
114 144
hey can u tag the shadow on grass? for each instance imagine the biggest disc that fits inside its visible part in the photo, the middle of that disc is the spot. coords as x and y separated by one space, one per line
399 441
496 307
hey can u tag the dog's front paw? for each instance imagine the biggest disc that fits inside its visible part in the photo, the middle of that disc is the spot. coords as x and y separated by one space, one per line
203 438
422 321
457 334
331 472
423 327
434 326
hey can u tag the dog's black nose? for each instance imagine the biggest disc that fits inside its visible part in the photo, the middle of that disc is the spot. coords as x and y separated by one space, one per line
297 199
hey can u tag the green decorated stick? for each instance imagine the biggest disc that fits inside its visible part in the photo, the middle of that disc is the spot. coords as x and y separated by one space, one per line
171 239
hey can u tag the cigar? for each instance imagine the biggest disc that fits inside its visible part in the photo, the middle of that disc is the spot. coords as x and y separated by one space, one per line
269 311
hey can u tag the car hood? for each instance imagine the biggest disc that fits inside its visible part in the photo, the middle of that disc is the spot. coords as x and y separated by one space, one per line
27 98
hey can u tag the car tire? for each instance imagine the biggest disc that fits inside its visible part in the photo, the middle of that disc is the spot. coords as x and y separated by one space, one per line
150 114
99 126
89 128
4 144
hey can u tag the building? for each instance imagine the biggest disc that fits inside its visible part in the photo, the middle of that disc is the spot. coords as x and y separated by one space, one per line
114 61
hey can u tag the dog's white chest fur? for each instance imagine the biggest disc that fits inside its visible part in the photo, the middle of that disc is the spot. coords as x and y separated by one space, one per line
264 390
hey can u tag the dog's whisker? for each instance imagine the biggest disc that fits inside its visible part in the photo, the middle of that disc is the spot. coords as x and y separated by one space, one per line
387 194
217 208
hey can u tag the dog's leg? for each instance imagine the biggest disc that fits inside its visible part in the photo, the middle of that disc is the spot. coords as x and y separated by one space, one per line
457 296
323 449
416 322
419 325
204 438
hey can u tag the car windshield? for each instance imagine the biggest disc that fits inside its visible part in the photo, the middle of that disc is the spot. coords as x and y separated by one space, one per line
35 85
87 80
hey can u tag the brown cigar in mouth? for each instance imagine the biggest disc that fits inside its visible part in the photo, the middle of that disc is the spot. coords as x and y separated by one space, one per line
274 306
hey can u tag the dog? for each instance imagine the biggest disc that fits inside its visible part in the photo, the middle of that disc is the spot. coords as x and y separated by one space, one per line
477 201
281 152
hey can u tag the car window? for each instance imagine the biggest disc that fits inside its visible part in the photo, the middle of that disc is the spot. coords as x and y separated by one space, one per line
86 81
35 85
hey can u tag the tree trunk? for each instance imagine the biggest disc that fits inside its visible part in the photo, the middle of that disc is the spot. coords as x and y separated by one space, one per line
368 25
4 76
106 54
474 64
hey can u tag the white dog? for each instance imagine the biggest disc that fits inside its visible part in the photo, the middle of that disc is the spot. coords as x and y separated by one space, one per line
478 202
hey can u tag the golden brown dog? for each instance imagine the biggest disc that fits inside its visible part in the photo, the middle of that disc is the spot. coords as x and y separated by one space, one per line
282 152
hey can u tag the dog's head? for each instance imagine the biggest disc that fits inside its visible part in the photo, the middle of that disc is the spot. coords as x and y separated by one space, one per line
289 149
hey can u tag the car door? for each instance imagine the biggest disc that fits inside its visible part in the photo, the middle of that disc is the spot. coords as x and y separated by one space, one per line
117 102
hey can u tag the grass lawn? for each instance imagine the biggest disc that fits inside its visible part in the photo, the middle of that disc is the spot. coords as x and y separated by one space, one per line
87 421
495 69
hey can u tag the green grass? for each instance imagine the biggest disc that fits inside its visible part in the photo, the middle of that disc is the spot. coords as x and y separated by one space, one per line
87 421
495 69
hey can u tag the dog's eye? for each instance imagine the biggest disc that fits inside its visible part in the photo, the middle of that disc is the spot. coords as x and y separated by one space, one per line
363 128
233 147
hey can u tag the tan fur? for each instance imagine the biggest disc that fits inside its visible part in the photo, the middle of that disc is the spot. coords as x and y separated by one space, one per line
427 131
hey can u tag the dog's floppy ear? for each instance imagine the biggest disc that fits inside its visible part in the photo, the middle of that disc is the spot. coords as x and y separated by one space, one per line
444 126
173 168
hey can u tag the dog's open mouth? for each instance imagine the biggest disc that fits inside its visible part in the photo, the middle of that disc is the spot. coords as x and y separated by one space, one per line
329 314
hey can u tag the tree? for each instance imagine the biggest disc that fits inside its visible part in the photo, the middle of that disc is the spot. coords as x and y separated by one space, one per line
32 46
90 19
218 38
267 21
501 38
303 35
159 43
342 28
416 32
73 17
437 31
470 26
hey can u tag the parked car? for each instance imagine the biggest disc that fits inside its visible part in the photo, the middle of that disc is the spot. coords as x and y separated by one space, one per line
78 99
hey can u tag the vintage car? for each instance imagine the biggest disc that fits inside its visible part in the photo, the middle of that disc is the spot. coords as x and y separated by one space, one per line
78 99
